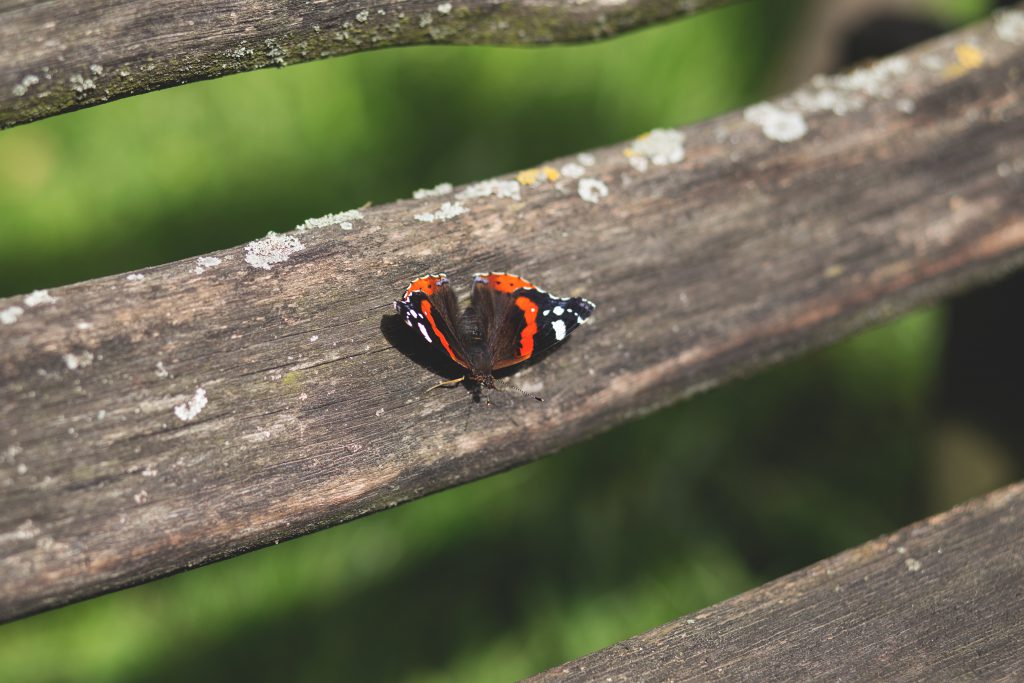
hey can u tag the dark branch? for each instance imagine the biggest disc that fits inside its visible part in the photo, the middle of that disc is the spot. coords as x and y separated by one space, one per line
63 55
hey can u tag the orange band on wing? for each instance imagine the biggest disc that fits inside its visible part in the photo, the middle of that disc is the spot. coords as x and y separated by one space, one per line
529 310
504 282
426 307
426 284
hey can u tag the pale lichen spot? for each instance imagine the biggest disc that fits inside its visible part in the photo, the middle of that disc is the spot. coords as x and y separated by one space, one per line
39 297
504 189
1009 25
849 92
74 361
592 190
573 170
343 220
141 497
80 84
22 87
776 123
314 337
362 16
161 371
150 471
448 210
445 8
10 315
203 263
96 69
188 410
586 158
436 191
662 146
135 277
379 412
271 250
912 564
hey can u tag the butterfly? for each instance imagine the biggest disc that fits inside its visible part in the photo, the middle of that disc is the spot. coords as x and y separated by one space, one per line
507 322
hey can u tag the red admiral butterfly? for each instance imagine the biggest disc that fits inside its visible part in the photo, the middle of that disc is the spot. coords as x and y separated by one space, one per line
508 321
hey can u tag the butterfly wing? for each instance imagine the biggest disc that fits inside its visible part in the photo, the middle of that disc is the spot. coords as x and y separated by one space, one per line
523 320
429 306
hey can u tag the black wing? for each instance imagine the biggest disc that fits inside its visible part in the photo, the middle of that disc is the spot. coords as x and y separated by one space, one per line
429 306
519 320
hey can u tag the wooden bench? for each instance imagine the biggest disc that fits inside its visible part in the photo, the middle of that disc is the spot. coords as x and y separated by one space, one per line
136 441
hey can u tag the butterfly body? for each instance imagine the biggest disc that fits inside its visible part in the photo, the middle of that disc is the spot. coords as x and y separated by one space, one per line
508 321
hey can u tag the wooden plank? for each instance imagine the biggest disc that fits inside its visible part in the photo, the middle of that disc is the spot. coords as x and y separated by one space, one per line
940 600
61 55
710 255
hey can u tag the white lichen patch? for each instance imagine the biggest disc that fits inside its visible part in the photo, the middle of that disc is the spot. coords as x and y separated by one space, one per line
74 361
573 170
777 124
592 190
271 250
586 158
362 16
38 298
662 146
505 189
204 263
80 84
436 191
141 497
22 87
447 211
135 277
10 315
849 92
161 371
96 69
343 220
444 8
1009 26
912 564
188 410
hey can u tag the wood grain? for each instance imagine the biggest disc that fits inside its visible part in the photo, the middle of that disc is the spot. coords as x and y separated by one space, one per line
744 251
61 55
938 601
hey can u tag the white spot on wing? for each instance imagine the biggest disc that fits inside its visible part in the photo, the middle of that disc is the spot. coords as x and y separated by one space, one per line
559 327
558 310
423 331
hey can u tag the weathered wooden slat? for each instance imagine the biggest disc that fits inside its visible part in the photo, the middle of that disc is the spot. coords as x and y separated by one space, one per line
940 600
164 419
61 55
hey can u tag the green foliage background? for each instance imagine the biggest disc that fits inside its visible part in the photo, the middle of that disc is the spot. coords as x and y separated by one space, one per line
525 570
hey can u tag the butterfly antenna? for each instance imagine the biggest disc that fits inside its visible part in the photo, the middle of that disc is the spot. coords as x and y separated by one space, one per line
509 385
